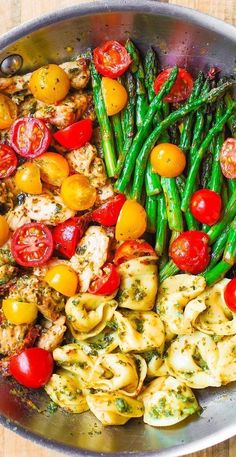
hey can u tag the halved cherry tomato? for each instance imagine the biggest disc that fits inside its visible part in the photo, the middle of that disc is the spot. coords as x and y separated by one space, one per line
63 279
76 135
190 251
18 312
132 221
205 206
49 83
8 111
32 367
167 160
77 192
27 178
8 161
108 213
32 244
132 249
54 168
114 94
111 59
67 235
107 283
29 137
4 231
230 295
228 158
181 89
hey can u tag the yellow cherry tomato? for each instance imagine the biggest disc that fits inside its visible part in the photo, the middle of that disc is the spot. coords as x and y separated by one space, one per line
18 312
132 221
114 94
27 178
54 168
77 192
4 231
8 112
167 160
63 279
50 84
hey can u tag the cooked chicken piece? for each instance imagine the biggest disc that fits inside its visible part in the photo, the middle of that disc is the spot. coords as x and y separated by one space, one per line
104 193
7 195
47 208
17 217
6 255
77 72
7 272
31 289
90 112
12 337
85 160
52 335
91 254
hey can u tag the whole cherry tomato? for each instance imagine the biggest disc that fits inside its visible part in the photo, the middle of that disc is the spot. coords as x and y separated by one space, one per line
190 251
108 213
205 206
230 295
107 283
32 244
111 59
181 89
67 235
132 249
132 221
114 94
29 137
49 83
32 367
8 161
167 160
76 135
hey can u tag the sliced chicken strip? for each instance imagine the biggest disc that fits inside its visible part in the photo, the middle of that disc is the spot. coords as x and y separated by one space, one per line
86 161
46 208
52 336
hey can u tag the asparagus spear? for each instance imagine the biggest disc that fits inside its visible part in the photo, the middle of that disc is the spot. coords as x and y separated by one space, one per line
104 123
152 181
219 227
169 269
140 162
232 120
161 230
118 133
151 210
174 214
150 70
218 248
191 222
215 181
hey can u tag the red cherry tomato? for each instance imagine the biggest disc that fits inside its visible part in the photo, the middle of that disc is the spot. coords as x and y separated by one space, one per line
228 158
190 251
108 213
76 135
230 295
205 206
181 89
32 367
32 244
107 283
111 59
132 249
67 235
29 137
8 161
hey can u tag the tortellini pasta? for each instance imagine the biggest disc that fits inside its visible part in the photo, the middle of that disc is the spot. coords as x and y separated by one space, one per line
193 360
139 331
174 294
103 343
118 371
87 314
168 401
72 358
65 390
114 408
226 366
139 283
154 361
209 312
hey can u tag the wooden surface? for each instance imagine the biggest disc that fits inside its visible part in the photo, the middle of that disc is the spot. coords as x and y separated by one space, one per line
12 13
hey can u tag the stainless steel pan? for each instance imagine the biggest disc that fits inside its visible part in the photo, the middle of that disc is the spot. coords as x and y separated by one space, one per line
181 36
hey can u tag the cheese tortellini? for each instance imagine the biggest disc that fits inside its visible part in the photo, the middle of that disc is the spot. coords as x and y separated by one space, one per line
138 286
65 390
87 314
167 401
72 358
139 331
114 408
